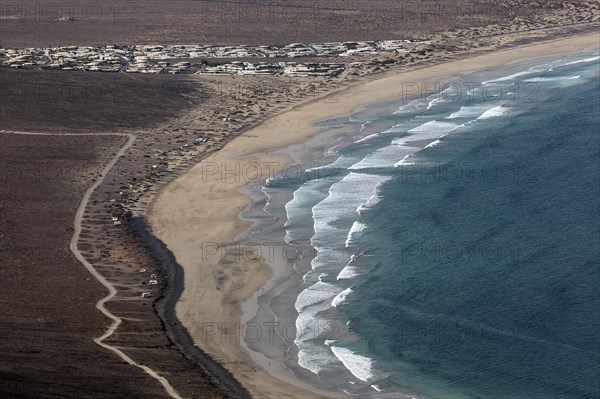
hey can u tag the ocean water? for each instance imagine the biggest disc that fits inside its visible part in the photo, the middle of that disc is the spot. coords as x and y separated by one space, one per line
454 240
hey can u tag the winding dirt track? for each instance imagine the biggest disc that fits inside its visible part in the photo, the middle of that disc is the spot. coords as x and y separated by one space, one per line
100 305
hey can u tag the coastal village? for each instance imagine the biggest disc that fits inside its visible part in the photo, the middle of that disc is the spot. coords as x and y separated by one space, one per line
215 60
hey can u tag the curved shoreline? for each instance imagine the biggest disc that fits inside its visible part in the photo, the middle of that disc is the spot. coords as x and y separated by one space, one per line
176 226
164 306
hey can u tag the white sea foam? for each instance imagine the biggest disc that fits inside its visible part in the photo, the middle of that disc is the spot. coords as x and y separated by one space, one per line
411 106
470 111
538 69
315 358
388 156
316 293
339 163
596 58
371 202
384 157
367 138
437 127
301 203
341 297
310 326
432 144
403 161
494 112
360 366
435 101
552 79
511 77
348 272
377 388
355 230
364 125
351 270
343 199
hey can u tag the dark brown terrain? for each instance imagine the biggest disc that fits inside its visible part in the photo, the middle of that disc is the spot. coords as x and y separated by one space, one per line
54 101
48 314
49 317
44 23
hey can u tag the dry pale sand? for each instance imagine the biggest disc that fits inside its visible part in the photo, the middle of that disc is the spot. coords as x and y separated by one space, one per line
201 207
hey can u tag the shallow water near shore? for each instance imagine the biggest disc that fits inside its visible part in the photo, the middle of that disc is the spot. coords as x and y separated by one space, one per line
445 245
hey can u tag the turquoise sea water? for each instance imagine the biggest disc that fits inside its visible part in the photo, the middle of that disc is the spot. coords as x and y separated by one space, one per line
457 240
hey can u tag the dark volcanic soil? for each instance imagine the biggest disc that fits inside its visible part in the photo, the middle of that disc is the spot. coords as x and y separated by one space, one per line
58 101
245 21
46 297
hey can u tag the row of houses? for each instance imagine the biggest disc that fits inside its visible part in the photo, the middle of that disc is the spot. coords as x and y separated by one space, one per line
156 59
280 68
292 50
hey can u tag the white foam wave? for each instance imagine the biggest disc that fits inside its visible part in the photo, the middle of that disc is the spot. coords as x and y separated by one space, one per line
435 101
383 158
411 106
348 272
470 111
403 161
553 79
344 198
315 358
596 58
510 77
388 156
315 294
432 144
341 297
339 163
494 112
371 202
355 230
367 138
437 127
360 366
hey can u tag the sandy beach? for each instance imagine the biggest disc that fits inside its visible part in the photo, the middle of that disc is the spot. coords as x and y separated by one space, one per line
197 216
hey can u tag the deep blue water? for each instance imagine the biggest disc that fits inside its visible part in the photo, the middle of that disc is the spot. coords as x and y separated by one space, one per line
470 268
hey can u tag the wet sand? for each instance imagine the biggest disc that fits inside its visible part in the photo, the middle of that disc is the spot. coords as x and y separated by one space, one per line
197 217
